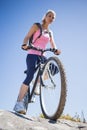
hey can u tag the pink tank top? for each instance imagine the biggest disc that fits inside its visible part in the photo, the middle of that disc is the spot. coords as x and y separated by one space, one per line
40 42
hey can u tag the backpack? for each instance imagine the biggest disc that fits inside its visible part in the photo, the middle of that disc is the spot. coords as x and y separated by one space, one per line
40 27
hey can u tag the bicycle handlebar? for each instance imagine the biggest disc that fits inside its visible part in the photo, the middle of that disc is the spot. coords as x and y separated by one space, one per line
42 50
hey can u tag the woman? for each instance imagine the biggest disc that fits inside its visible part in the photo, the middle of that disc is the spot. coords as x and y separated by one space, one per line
32 57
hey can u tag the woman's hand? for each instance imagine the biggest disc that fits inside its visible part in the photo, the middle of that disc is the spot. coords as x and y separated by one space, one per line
57 52
24 47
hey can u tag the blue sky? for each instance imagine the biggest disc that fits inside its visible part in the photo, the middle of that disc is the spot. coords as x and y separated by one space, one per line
70 34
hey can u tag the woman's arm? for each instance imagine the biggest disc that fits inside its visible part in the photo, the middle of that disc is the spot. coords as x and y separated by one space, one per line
32 30
53 45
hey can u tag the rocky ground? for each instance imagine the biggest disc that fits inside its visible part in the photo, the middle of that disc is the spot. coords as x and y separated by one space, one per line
12 121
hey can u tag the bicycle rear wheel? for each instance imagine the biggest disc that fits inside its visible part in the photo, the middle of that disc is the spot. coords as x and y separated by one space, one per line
53 91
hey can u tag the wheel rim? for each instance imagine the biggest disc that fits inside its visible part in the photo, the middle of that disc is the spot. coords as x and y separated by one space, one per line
51 92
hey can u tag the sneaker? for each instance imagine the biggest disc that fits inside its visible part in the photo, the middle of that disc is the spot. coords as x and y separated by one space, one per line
37 89
20 108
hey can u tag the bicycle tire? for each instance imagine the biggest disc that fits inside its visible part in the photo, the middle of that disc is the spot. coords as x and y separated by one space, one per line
63 91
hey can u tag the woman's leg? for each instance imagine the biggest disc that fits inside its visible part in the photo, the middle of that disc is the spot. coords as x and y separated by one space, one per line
31 61
20 105
22 92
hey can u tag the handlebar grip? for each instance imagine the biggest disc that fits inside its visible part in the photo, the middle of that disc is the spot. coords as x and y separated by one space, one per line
53 50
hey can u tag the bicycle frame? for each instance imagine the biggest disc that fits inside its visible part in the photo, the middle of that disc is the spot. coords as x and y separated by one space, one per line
40 70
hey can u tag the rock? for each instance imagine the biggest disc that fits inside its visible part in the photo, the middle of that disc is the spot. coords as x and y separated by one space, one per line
13 121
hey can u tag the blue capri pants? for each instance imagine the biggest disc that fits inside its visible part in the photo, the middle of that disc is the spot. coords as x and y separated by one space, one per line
32 60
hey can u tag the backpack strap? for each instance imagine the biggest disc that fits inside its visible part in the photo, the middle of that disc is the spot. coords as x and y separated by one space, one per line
31 38
40 27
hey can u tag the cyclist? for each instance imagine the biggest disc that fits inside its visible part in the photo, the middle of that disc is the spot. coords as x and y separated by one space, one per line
32 56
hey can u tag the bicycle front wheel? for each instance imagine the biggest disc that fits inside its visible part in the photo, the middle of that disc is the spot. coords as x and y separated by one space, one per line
53 89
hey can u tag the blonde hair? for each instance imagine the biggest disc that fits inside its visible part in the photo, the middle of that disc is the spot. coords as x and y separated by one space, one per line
49 11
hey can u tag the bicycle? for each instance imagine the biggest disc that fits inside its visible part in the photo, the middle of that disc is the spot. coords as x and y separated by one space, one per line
53 87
